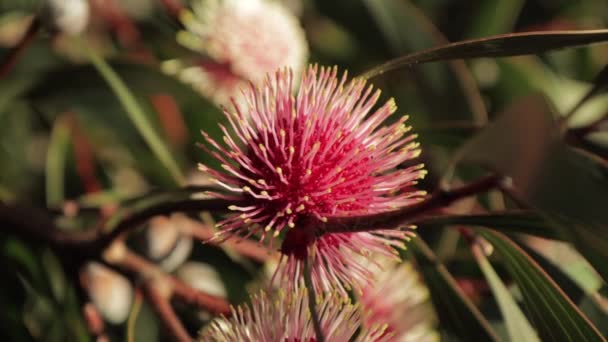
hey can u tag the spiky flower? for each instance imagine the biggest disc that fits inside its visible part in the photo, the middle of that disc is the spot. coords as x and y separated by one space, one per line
398 298
244 40
298 160
288 319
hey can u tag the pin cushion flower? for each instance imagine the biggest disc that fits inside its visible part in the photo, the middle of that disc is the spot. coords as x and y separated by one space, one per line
293 161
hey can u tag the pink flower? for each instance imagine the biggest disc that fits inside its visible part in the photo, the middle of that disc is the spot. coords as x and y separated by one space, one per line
244 40
298 160
398 298
288 319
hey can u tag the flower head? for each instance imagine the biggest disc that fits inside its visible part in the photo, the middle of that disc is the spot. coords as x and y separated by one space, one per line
244 40
399 299
298 160
288 319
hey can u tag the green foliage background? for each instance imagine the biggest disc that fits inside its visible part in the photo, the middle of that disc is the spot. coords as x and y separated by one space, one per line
504 114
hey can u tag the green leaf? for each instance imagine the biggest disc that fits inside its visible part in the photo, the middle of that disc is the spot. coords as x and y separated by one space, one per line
406 28
518 327
555 317
524 222
457 315
568 188
146 326
505 45
600 85
137 116
55 163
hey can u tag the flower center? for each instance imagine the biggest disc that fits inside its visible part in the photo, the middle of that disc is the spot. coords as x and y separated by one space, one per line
308 169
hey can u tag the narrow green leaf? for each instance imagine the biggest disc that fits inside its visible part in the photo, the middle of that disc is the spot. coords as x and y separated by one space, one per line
512 44
555 317
55 163
457 315
518 327
600 85
133 315
407 28
137 115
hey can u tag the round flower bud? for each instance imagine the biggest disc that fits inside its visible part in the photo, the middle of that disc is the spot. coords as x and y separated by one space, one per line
68 16
110 292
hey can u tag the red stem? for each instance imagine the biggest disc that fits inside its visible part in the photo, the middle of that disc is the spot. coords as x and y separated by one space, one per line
403 216
163 309
11 58
244 247
180 290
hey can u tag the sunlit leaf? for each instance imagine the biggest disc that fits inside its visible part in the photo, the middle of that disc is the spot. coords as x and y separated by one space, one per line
55 163
518 327
555 317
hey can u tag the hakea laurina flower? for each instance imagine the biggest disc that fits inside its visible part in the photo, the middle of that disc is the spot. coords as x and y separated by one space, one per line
398 298
244 40
288 319
297 160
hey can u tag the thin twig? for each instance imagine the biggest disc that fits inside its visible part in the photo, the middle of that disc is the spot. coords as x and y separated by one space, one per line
163 309
403 216
34 224
8 62
94 321
247 248
172 7
187 294
136 216
314 315
134 263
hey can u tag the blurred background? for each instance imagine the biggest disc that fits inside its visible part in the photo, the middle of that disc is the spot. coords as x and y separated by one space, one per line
70 144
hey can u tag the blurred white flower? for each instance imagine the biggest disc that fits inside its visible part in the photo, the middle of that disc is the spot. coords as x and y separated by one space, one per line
243 40
69 16
166 243
110 292
203 277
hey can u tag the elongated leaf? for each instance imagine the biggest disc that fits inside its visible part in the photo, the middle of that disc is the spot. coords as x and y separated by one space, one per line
137 116
555 317
457 315
518 327
515 221
407 28
55 163
568 188
513 44
600 84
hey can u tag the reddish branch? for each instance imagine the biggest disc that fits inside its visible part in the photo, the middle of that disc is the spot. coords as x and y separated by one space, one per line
94 321
163 309
133 263
171 118
11 58
40 227
244 247
173 7
84 155
439 199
